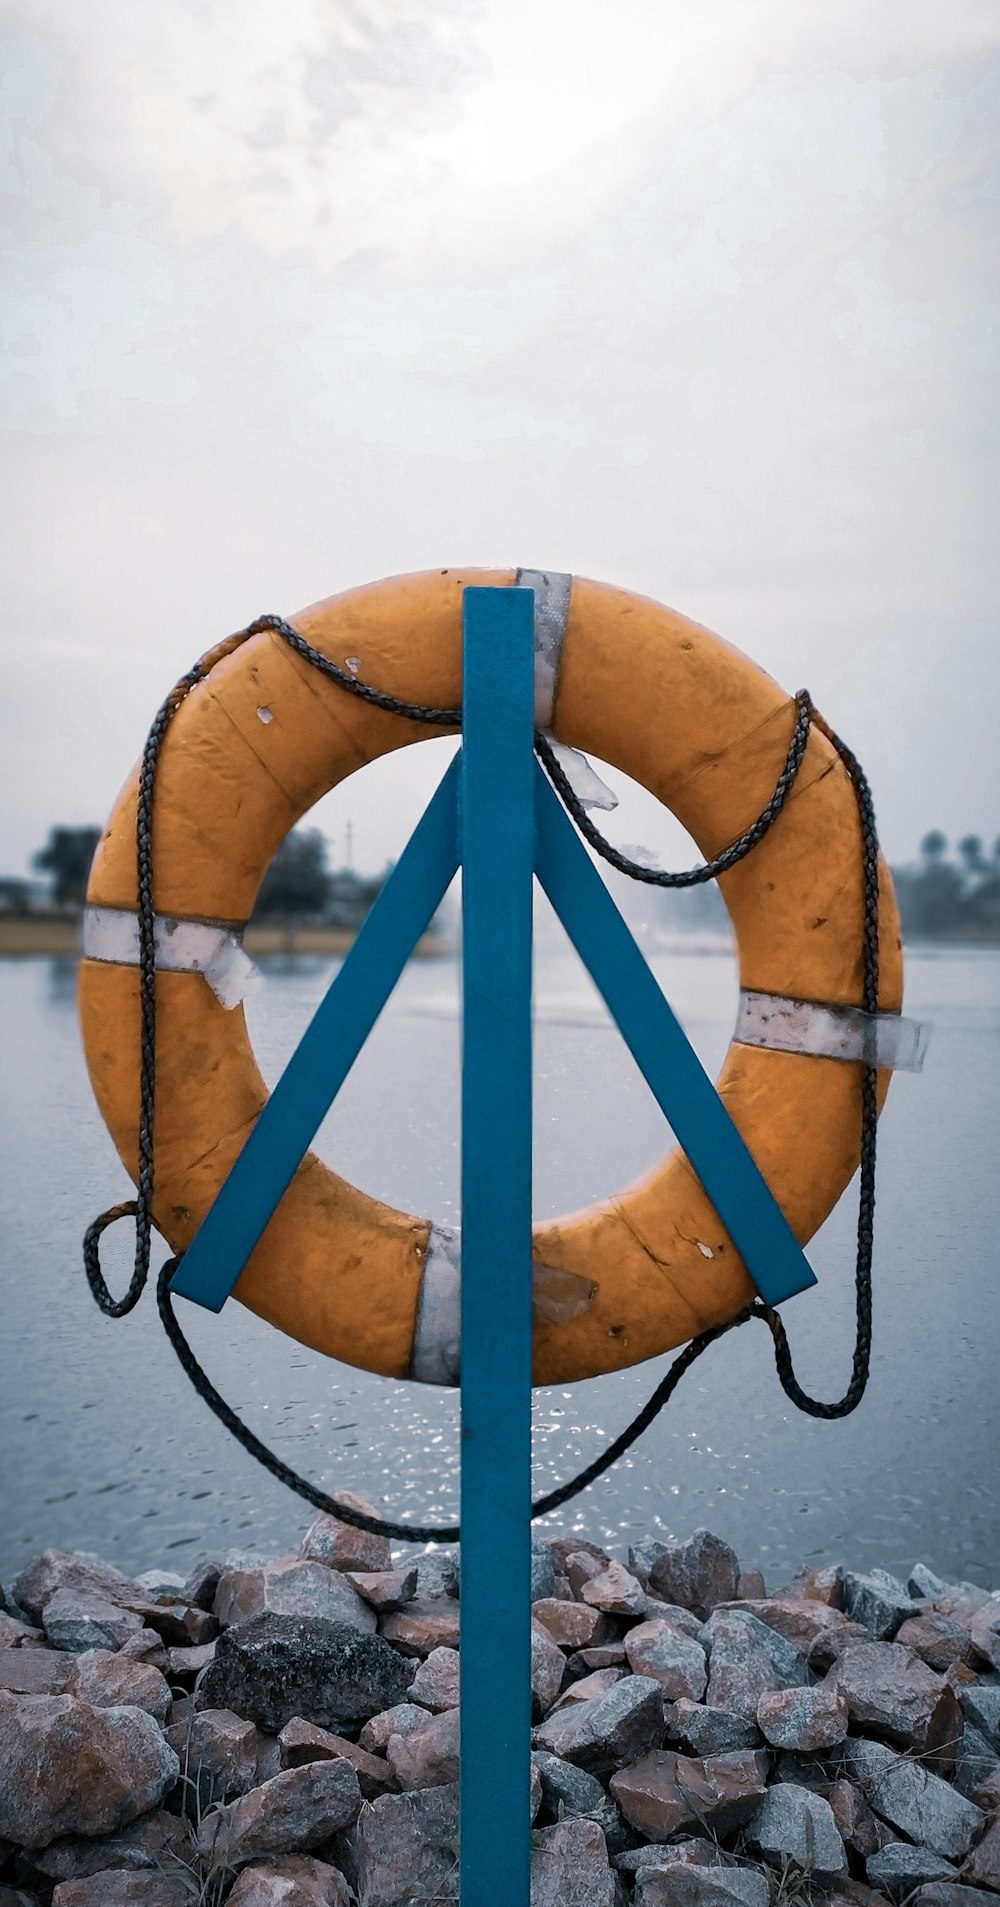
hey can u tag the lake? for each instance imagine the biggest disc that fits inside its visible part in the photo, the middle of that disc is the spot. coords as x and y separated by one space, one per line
106 1448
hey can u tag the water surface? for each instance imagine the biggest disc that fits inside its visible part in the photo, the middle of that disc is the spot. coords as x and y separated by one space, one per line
106 1448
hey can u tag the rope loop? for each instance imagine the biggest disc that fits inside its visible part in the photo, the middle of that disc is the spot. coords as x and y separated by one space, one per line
806 716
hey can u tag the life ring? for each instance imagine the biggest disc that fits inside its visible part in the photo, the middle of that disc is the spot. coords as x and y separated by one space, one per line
667 702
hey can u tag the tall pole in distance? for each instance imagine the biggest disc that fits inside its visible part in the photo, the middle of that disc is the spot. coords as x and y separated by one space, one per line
497 849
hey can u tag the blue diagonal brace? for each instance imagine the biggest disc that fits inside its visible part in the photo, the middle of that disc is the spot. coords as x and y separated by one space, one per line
324 1056
665 1057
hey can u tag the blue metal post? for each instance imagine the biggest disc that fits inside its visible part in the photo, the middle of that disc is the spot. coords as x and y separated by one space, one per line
497 844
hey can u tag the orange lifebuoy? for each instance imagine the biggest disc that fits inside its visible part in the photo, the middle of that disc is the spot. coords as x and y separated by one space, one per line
638 685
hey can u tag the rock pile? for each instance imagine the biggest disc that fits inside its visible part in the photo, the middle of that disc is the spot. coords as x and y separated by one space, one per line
288 1732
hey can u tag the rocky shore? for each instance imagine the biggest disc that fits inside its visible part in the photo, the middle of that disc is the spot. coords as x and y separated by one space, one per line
285 1734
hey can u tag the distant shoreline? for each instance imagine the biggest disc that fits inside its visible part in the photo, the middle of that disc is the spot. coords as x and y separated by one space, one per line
26 934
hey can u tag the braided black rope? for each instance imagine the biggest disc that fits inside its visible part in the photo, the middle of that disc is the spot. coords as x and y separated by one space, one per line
141 1207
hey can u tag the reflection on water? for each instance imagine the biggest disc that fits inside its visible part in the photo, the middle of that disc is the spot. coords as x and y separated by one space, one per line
107 1449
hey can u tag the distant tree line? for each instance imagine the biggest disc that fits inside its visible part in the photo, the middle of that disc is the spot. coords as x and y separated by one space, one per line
299 883
951 897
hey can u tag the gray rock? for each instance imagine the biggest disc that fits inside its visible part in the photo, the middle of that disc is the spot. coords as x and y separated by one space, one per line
898 1868
591 1686
751 1586
111 1681
56 1569
567 1787
384 1589
984 1633
435 1685
663 1794
981 1707
709 1731
572 1624
437 1573
162 1582
642 1556
814 1628
878 1601
608 1656
697 1573
939 1640
803 1771
856 1824
426 1757
121 1887
566 1790
569 1866
77 1620
404 1847
200 1587
548 1667
400 1720
341 1545
746 1659
301 1741
55 1572
890 1692
15 1634
424 1624
610 1731
922 1581
696 1852
543 1569
977 1762
911 1798
218 1753
290 1880
274 1667
717 1886
949 1894
296 1810
795 1822
155 1841
615 1591
292 1587
982 1869
804 1720
67 1767
676 1661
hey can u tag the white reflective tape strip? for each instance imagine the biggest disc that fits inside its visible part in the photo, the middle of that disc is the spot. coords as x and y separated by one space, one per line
831 1032
557 1297
182 946
438 1335
552 593
586 783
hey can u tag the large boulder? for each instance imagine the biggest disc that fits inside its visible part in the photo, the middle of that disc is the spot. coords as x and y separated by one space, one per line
912 1799
341 1545
274 1667
298 1809
889 1691
218 1751
662 1794
404 1847
291 1587
674 1660
569 1866
697 1573
67 1767
747 1659
606 1733
121 1887
290 1880
794 1824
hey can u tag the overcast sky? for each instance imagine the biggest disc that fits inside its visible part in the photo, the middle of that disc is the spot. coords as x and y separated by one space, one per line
698 296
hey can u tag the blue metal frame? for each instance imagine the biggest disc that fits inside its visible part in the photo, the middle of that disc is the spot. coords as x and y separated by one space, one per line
498 852
496 815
